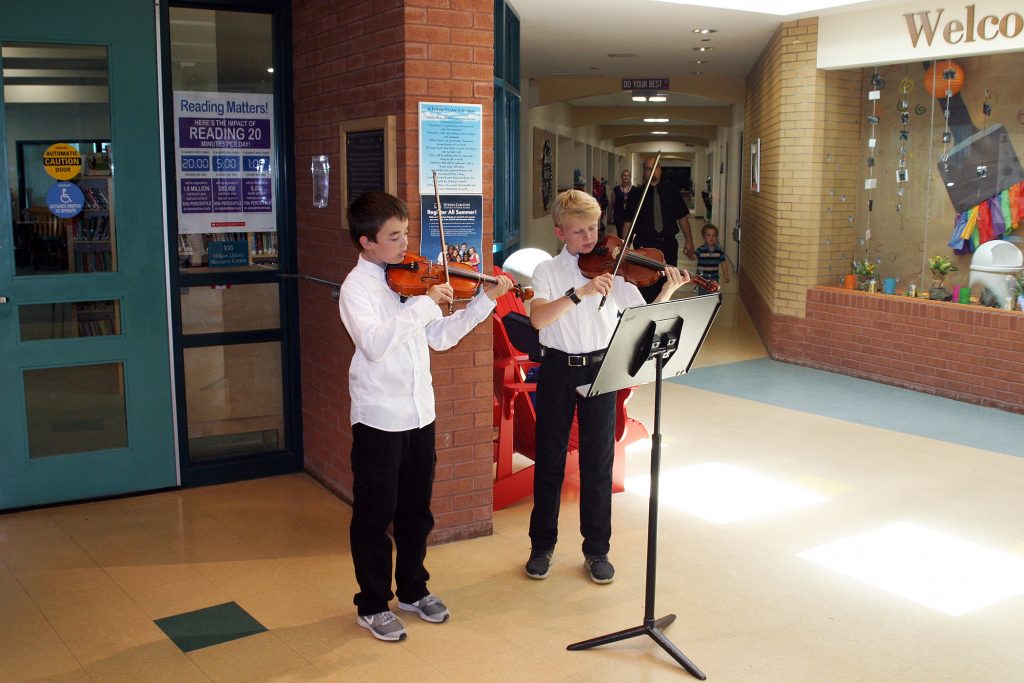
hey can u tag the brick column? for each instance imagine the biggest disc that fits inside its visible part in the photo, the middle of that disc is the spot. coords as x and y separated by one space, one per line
358 60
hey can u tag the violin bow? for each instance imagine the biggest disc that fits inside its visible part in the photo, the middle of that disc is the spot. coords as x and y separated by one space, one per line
632 226
444 245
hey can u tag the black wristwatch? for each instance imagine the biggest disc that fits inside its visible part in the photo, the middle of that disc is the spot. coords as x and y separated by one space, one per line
573 297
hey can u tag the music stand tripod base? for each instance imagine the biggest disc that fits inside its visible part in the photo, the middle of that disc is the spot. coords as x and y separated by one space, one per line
648 339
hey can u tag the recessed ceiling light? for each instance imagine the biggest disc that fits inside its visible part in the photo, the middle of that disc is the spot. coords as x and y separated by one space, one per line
705 31
656 98
655 120
270 69
703 48
639 98
659 132
700 61
697 73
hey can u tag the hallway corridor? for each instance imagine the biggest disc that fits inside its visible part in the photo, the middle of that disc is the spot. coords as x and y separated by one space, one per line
796 546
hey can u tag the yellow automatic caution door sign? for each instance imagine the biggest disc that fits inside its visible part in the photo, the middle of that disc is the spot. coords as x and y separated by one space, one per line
62 161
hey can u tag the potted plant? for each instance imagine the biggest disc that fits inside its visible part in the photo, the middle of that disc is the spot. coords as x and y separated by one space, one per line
864 270
940 266
1018 289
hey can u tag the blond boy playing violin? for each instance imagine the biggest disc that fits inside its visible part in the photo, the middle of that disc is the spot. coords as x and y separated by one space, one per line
392 414
574 333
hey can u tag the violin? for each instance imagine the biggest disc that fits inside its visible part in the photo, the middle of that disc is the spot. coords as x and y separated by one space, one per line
416 274
642 267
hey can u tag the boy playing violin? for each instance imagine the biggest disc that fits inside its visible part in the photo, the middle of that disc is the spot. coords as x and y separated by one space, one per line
574 334
392 414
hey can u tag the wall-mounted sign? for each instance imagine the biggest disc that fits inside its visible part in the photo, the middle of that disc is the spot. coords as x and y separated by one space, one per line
364 161
224 149
450 143
463 219
62 161
915 31
225 253
645 84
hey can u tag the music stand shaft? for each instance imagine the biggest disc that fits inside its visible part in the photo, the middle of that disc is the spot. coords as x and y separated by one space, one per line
651 626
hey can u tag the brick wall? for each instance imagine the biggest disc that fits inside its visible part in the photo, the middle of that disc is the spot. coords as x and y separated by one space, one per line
374 58
804 222
808 122
968 353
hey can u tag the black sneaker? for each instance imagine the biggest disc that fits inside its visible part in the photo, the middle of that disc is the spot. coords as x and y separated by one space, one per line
539 564
599 568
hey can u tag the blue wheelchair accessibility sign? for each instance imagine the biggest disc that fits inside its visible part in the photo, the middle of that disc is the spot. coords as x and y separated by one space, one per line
65 199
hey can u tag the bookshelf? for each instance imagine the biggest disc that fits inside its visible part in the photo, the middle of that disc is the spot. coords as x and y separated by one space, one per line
257 249
92 247
263 247
96 318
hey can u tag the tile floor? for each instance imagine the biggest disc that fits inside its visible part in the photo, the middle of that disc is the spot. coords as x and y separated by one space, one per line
794 547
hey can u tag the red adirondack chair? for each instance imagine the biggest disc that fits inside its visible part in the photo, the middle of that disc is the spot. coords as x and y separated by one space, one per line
515 418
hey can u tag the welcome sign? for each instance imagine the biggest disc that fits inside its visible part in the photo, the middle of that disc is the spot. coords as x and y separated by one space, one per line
918 32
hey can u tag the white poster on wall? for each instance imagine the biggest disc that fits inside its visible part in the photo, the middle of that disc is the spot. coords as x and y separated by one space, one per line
224 152
451 138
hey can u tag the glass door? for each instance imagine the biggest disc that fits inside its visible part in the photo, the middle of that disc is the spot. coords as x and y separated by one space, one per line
232 315
85 406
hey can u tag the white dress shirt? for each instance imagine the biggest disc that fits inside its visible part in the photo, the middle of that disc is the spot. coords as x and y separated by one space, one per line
583 328
389 379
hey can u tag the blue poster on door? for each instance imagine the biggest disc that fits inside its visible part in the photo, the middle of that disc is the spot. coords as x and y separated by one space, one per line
65 199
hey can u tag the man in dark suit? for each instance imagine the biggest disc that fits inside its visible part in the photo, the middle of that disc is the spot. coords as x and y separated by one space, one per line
663 215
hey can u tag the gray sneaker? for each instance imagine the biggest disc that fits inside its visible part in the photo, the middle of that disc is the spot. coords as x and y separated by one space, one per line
539 564
599 568
430 608
383 626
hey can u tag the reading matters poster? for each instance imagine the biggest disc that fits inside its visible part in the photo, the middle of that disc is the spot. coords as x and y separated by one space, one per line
224 151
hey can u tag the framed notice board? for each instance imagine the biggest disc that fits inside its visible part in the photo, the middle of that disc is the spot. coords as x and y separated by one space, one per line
368 157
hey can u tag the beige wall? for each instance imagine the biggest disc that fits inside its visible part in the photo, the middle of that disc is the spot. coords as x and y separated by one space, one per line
807 121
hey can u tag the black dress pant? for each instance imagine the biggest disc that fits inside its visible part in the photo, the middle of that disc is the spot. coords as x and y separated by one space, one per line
392 482
557 400
669 246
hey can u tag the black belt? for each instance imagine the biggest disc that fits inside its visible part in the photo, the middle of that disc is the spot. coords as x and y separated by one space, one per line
574 359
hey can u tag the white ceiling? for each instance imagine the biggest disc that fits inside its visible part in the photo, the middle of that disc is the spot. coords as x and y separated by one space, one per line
568 42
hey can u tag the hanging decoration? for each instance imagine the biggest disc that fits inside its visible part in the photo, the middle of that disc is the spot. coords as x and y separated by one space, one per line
874 95
902 172
952 73
992 219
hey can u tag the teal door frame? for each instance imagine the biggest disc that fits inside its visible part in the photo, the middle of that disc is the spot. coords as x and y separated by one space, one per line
128 29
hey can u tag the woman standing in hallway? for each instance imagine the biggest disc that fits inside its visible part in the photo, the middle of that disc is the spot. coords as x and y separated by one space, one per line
623 204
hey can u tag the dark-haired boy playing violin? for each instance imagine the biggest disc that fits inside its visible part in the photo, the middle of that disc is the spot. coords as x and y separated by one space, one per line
392 415
575 333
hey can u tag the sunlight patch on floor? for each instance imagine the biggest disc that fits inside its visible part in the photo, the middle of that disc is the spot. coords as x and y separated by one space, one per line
939 571
721 493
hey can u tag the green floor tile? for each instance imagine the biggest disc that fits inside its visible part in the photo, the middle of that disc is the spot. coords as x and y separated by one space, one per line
209 626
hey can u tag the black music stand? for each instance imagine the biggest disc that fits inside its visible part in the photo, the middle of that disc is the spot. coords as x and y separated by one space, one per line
651 342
